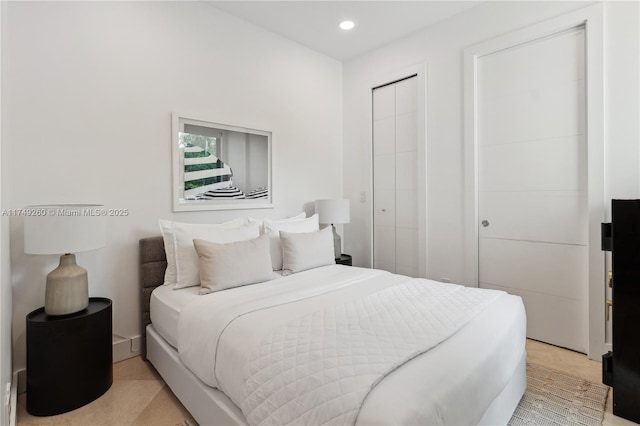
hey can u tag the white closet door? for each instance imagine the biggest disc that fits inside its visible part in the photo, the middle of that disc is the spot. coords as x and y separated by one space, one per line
384 178
533 235
395 166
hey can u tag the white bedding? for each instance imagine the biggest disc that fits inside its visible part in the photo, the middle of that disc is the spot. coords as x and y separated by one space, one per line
319 369
453 383
166 305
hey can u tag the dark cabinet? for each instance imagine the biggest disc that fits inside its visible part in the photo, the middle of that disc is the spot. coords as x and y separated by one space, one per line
621 367
69 358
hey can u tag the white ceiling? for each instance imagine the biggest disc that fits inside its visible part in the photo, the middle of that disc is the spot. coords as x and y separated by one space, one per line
315 23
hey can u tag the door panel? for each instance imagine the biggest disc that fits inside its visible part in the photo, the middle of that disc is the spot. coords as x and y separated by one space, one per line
385 172
385 248
565 223
552 319
384 103
552 269
406 254
407 212
553 109
532 182
407 132
406 170
395 161
385 213
384 136
513 70
547 164
406 96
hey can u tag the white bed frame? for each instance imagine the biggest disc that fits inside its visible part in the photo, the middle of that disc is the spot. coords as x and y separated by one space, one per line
207 405
210 406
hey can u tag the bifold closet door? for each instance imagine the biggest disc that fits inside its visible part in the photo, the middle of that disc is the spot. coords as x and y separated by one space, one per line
532 199
395 181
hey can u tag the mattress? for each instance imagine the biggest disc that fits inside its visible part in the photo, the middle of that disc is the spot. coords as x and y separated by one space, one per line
459 378
166 305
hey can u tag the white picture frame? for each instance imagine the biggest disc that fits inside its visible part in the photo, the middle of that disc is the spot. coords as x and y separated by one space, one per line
219 166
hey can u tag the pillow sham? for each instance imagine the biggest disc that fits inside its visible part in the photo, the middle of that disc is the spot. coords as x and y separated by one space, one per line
260 222
302 251
224 266
187 261
273 228
166 229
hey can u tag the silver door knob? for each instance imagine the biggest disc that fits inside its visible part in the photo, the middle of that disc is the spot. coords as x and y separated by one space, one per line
485 223
384 210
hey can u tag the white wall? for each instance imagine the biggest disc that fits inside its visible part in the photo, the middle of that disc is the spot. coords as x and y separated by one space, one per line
622 117
88 91
5 265
621 103
441 48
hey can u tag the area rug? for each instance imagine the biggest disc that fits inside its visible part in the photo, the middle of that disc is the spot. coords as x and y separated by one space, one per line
556 398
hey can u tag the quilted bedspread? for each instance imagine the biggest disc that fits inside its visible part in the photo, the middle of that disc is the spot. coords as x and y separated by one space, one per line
319 368
347 345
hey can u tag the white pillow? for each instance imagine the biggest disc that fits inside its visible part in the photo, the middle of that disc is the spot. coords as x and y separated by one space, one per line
288 219
273 228
187 262
236 264
302 251
166 228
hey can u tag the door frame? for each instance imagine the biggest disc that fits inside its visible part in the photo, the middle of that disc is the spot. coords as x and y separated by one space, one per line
592 19
420 71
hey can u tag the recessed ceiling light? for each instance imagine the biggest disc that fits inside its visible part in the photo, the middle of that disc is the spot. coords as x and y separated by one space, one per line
347 25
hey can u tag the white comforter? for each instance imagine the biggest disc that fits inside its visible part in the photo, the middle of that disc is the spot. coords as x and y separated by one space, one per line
223 337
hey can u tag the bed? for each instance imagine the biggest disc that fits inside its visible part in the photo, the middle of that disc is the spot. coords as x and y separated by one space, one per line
474 376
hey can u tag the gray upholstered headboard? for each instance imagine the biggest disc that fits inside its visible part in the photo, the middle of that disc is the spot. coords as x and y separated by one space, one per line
153 263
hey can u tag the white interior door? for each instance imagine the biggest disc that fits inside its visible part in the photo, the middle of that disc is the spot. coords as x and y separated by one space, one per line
532 182
395 170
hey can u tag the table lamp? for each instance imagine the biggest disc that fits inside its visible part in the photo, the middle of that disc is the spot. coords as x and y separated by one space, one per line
333 212
65 229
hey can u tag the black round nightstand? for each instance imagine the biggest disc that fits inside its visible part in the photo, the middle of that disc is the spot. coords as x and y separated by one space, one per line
344 259
69 358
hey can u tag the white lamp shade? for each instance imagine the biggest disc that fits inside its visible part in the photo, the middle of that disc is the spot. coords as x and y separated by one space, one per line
333 211
64 228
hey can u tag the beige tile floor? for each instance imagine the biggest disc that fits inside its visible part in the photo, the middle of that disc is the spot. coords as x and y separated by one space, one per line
140 397
137 397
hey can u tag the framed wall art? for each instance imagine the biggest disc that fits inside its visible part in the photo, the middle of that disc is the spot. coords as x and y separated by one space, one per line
219 167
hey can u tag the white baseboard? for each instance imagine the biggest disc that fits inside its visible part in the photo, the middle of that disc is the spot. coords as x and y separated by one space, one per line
125 347
5 413
13 401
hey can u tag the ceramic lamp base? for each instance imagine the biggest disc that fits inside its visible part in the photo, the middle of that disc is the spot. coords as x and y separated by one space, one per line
67 289
337 243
